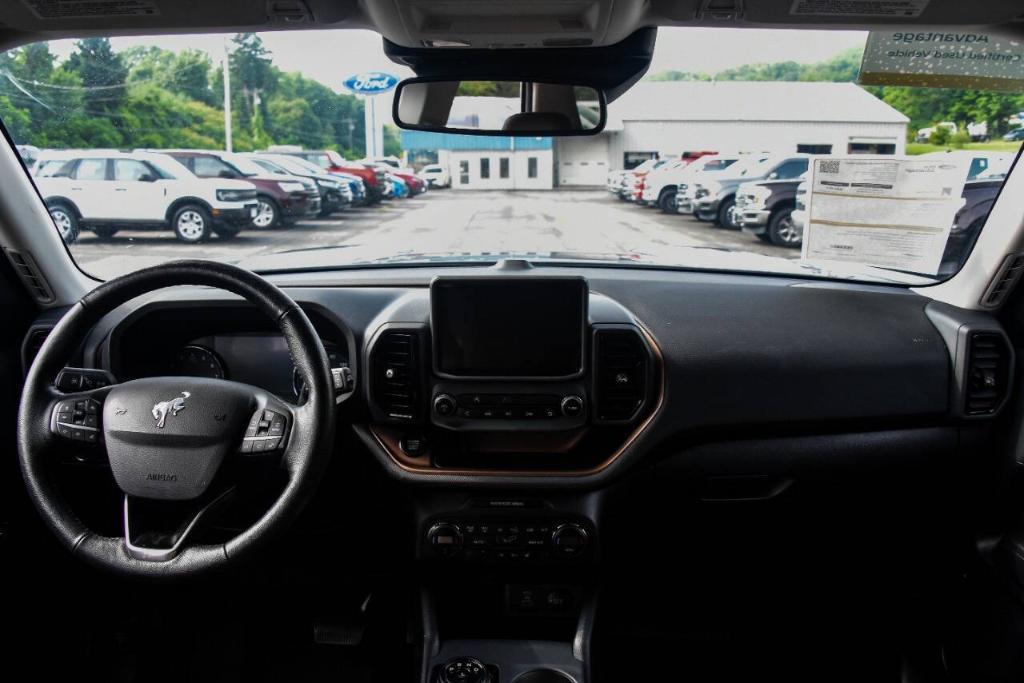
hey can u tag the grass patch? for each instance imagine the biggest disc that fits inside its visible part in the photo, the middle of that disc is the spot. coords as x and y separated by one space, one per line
991 146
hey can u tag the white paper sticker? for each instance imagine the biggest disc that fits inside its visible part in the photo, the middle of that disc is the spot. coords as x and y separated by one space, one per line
91 9
858 8
943 59
891 213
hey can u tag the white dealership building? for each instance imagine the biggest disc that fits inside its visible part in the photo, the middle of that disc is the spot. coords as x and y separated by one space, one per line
670 118
667 119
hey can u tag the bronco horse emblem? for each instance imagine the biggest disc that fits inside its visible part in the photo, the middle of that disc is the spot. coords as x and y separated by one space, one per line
172 407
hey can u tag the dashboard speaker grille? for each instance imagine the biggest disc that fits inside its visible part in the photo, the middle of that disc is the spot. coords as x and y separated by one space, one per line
988 373
26 269
396 374
620 373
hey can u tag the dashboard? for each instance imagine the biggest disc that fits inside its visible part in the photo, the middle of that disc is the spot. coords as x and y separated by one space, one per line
559 377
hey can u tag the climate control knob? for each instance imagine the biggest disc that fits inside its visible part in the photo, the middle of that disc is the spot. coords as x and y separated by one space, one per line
572 406
569 540
445 539
444 405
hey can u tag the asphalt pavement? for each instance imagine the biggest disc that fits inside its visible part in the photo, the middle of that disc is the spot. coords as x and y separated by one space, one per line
448 221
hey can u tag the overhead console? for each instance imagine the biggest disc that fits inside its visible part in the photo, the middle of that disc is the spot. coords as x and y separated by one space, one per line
509 373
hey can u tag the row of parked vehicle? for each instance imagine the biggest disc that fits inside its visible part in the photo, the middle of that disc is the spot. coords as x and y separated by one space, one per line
764 194
201 193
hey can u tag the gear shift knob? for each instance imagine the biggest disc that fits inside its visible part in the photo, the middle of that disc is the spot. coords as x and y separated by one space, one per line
464 670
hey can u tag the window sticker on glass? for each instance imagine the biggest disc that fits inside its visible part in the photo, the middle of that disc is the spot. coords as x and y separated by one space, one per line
943 59
890 213
905 9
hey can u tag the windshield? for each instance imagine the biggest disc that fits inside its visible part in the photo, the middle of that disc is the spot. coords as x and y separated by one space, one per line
294 164
244 165
659 187
750 166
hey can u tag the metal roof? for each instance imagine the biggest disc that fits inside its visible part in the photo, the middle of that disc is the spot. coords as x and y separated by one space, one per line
750 101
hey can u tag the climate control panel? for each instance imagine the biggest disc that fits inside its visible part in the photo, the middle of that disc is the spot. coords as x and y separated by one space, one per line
497 541
456 406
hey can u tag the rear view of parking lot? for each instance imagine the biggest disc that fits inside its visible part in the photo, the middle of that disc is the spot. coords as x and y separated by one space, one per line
443 221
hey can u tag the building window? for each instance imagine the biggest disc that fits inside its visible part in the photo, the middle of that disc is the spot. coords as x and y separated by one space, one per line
503 167
631 160
872 148
531 167
485 168
814 149
464 172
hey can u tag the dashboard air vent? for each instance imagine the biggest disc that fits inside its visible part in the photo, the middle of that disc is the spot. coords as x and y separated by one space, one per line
988 373
396 374
30 276
1002 284
620 373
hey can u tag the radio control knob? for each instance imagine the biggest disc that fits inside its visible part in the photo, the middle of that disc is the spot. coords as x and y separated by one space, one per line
572 406
569 540
444 405
445 539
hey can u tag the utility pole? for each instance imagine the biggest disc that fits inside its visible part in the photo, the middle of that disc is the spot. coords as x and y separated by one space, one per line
227 100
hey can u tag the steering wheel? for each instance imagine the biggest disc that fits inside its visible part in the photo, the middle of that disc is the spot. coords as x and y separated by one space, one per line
173 443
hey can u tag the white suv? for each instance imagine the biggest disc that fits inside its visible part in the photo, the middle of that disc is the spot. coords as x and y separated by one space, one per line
106 191
435 175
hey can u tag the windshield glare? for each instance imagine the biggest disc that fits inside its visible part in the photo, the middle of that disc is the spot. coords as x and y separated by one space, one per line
718 109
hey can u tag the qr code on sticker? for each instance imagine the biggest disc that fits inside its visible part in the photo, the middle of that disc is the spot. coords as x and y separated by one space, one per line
828 166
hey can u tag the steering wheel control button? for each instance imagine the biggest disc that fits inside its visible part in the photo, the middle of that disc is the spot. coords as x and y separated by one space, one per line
77 419
572 406
464 670
266 432
83 379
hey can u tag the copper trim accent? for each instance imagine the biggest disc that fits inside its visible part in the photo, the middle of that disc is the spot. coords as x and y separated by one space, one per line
421 465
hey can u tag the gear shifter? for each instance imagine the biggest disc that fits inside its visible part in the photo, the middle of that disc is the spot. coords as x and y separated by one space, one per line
464 670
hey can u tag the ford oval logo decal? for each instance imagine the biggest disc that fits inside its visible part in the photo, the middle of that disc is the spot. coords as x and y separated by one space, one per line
370 83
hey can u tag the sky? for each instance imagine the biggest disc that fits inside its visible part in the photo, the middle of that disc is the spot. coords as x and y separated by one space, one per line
332 56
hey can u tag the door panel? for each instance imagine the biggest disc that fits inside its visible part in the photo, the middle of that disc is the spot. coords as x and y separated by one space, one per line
133 195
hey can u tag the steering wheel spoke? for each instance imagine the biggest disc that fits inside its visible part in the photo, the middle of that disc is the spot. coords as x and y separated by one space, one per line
161 530
268 429
77 417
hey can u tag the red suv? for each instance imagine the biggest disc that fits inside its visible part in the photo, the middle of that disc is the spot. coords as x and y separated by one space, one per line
332 162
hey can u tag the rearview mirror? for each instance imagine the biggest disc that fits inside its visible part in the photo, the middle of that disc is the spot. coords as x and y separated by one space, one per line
499 107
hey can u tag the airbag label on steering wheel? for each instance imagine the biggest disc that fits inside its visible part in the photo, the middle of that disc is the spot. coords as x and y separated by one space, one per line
858 8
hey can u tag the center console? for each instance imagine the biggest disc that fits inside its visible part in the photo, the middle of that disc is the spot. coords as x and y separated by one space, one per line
509 374
506 375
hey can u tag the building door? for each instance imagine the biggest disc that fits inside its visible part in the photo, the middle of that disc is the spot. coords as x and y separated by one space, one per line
582 161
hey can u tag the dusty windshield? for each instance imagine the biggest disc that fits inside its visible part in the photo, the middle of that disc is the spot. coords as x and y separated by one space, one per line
740 150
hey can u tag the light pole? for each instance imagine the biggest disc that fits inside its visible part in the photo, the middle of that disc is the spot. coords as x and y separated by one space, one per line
228 146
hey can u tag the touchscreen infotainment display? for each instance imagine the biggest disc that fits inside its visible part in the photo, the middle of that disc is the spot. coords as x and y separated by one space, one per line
508 327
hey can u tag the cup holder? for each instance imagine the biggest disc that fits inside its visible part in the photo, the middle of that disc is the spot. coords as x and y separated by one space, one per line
544 676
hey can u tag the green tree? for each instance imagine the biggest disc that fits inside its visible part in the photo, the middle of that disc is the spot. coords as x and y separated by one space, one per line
253 75
102 72
392 141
